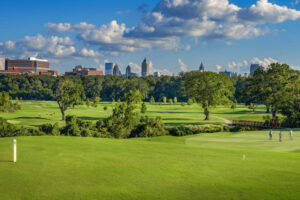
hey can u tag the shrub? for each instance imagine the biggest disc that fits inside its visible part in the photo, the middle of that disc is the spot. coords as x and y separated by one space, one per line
143 108
190 102
152 100
191 130
7 129
149 128
50 129
165 100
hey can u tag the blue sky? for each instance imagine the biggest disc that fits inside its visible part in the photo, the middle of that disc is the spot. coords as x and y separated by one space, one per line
174 35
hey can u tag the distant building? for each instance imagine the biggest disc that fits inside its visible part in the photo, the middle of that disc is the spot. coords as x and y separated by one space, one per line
128 71
2 63
156 74
109 68
201 68
116 71
253 68
50 72
79 70
229 74
30 66
145 68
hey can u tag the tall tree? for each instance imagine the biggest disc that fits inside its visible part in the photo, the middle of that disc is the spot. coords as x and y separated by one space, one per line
209 89
68 94
268 85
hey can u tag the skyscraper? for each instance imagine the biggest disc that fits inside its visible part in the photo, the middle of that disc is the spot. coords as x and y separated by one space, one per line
116 71
145 68
253 68
109 68
128 71
201 68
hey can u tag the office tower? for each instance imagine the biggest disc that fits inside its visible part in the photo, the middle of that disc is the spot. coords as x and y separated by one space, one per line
201 68
145 68
32 65
109 68
116 71
128 71
253 68
156 74
2 64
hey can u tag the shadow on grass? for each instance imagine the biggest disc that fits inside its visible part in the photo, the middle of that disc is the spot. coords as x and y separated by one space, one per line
192 123
6 161
31 118
90 118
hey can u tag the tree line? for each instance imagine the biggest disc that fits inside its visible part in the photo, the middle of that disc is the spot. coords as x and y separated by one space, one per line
277 87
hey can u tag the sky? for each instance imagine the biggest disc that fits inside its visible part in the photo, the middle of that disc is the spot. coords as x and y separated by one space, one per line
174 35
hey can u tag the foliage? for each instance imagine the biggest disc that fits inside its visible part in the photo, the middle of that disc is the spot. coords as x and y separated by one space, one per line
252 107
149 128
152 100
192 130
271 86
50 129
68 94
6 104
175 100
165 100
209 89
190 102
143 108
171 101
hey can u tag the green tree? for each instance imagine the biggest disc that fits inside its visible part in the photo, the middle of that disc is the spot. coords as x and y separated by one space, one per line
152 100
209 89
143 108
165 100
268 86
190 102
233 105
88 103
175 100
68 94
171 101
252 107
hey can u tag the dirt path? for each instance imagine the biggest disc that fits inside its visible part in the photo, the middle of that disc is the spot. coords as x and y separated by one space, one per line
228 122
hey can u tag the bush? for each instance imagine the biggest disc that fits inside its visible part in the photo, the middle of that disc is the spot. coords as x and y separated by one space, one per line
50 129
7 129
192 130
149 128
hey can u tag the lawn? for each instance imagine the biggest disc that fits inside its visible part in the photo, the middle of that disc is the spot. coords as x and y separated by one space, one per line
35 113
208 166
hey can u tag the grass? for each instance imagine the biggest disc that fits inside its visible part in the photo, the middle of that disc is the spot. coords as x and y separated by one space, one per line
208 166
35 113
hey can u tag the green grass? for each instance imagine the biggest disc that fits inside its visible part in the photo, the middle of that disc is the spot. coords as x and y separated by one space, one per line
35 113
209 166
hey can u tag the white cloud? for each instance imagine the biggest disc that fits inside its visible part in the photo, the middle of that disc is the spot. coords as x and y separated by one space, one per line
183 67
265 12
265 62
219 67
47 47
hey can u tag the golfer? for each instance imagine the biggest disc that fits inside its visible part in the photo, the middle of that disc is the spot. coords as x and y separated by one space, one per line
291 134
280 136
271 134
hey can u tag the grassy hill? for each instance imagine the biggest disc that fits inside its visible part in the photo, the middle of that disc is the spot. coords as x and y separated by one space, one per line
35 113
209 166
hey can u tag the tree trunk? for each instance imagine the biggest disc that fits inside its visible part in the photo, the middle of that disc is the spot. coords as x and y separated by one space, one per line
63 114
274 114
206 111
268 109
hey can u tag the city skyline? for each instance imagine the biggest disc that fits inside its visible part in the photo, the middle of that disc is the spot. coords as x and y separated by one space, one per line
232 36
